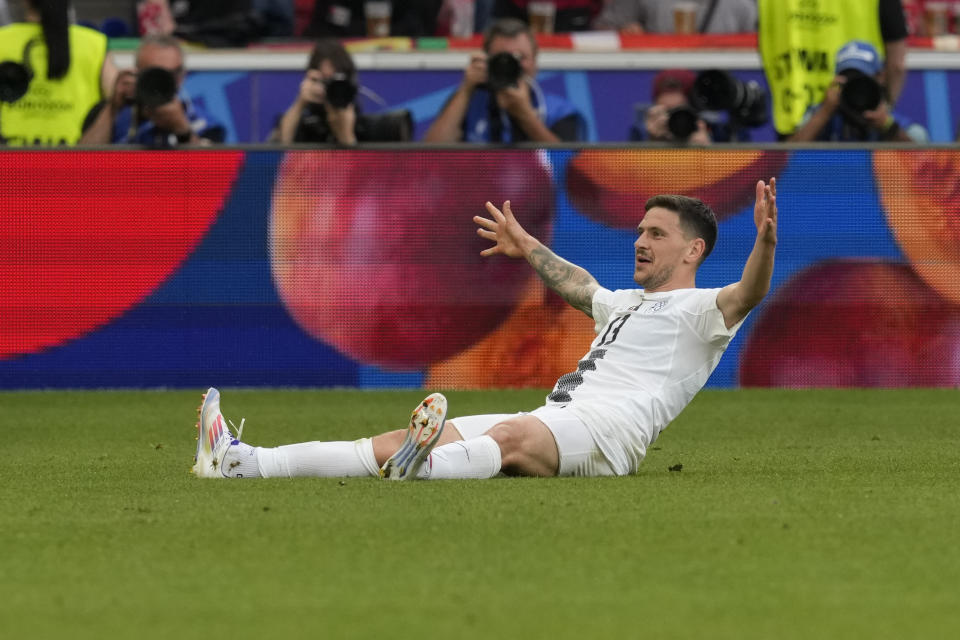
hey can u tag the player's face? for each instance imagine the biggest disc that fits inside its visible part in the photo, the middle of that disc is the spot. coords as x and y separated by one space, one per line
660 248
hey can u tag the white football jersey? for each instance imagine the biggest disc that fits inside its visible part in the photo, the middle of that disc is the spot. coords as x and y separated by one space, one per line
653 353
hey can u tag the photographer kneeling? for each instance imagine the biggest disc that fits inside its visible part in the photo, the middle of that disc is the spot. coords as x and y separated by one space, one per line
856 107
499 99
326 109
149 106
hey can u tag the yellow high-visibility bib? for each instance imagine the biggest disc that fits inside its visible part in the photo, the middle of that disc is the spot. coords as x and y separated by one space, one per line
52 111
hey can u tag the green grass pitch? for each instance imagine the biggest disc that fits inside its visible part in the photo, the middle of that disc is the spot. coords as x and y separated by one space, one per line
815 514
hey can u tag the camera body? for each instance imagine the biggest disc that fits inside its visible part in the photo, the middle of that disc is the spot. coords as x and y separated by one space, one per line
503 70
860 92
341 90
155 86
682 122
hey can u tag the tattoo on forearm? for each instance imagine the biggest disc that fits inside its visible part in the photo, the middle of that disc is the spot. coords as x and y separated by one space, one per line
573 283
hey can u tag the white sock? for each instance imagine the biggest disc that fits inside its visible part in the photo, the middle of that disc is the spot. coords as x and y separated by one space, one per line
318 459
240 461
475 458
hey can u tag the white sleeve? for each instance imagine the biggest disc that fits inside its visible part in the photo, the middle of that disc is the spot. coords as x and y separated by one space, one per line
604 302
708 319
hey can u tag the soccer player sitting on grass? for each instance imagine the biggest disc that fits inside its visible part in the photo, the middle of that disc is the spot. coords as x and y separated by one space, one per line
655 348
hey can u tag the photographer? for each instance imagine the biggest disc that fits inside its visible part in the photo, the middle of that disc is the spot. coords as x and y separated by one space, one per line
499 99
671 117
710 106
856 105
150 107
326 108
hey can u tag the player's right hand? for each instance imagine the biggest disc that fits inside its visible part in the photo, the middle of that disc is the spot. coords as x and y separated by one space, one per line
503 229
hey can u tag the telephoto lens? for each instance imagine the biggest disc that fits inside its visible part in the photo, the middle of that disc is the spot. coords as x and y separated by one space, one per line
716 90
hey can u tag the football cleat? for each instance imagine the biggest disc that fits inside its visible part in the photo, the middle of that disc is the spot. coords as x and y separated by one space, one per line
426 425
213 437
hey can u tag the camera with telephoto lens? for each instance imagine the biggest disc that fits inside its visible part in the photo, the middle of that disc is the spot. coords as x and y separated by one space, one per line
155 86
860 92
340 90
717 90
503 70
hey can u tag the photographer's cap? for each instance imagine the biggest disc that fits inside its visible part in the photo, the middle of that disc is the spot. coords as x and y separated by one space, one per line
673 80
860 56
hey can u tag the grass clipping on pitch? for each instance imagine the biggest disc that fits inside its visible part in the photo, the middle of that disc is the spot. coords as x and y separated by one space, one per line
757 514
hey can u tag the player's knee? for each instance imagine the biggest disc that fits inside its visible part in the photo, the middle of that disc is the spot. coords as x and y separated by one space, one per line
512 442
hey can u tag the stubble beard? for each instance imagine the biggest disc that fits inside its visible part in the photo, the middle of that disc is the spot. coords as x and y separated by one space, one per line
655 279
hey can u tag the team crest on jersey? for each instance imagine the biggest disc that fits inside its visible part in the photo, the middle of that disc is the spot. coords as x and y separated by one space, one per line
659 305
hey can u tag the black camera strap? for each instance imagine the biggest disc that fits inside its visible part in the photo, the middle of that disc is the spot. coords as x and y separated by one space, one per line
708 16
495 119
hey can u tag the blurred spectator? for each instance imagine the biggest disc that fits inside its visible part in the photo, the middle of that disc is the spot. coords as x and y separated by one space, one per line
482 15
218 23
671 118
855 107
51 74
150 107
275 16
4 13
799 39
155 18
326 108
499 99
657 16
346 18
932 18
570 15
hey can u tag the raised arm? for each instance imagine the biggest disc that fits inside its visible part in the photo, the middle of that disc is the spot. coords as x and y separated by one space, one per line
574 284
736 300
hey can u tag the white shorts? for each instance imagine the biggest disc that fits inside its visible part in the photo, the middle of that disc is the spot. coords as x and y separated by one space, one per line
579 454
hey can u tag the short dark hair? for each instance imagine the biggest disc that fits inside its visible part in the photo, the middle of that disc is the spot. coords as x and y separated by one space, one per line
331 49
696 219
507 28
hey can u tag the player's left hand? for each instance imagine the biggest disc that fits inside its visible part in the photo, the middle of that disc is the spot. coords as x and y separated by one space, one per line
765 211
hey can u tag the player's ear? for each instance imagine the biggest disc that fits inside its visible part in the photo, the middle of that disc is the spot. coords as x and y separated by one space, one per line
695 250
